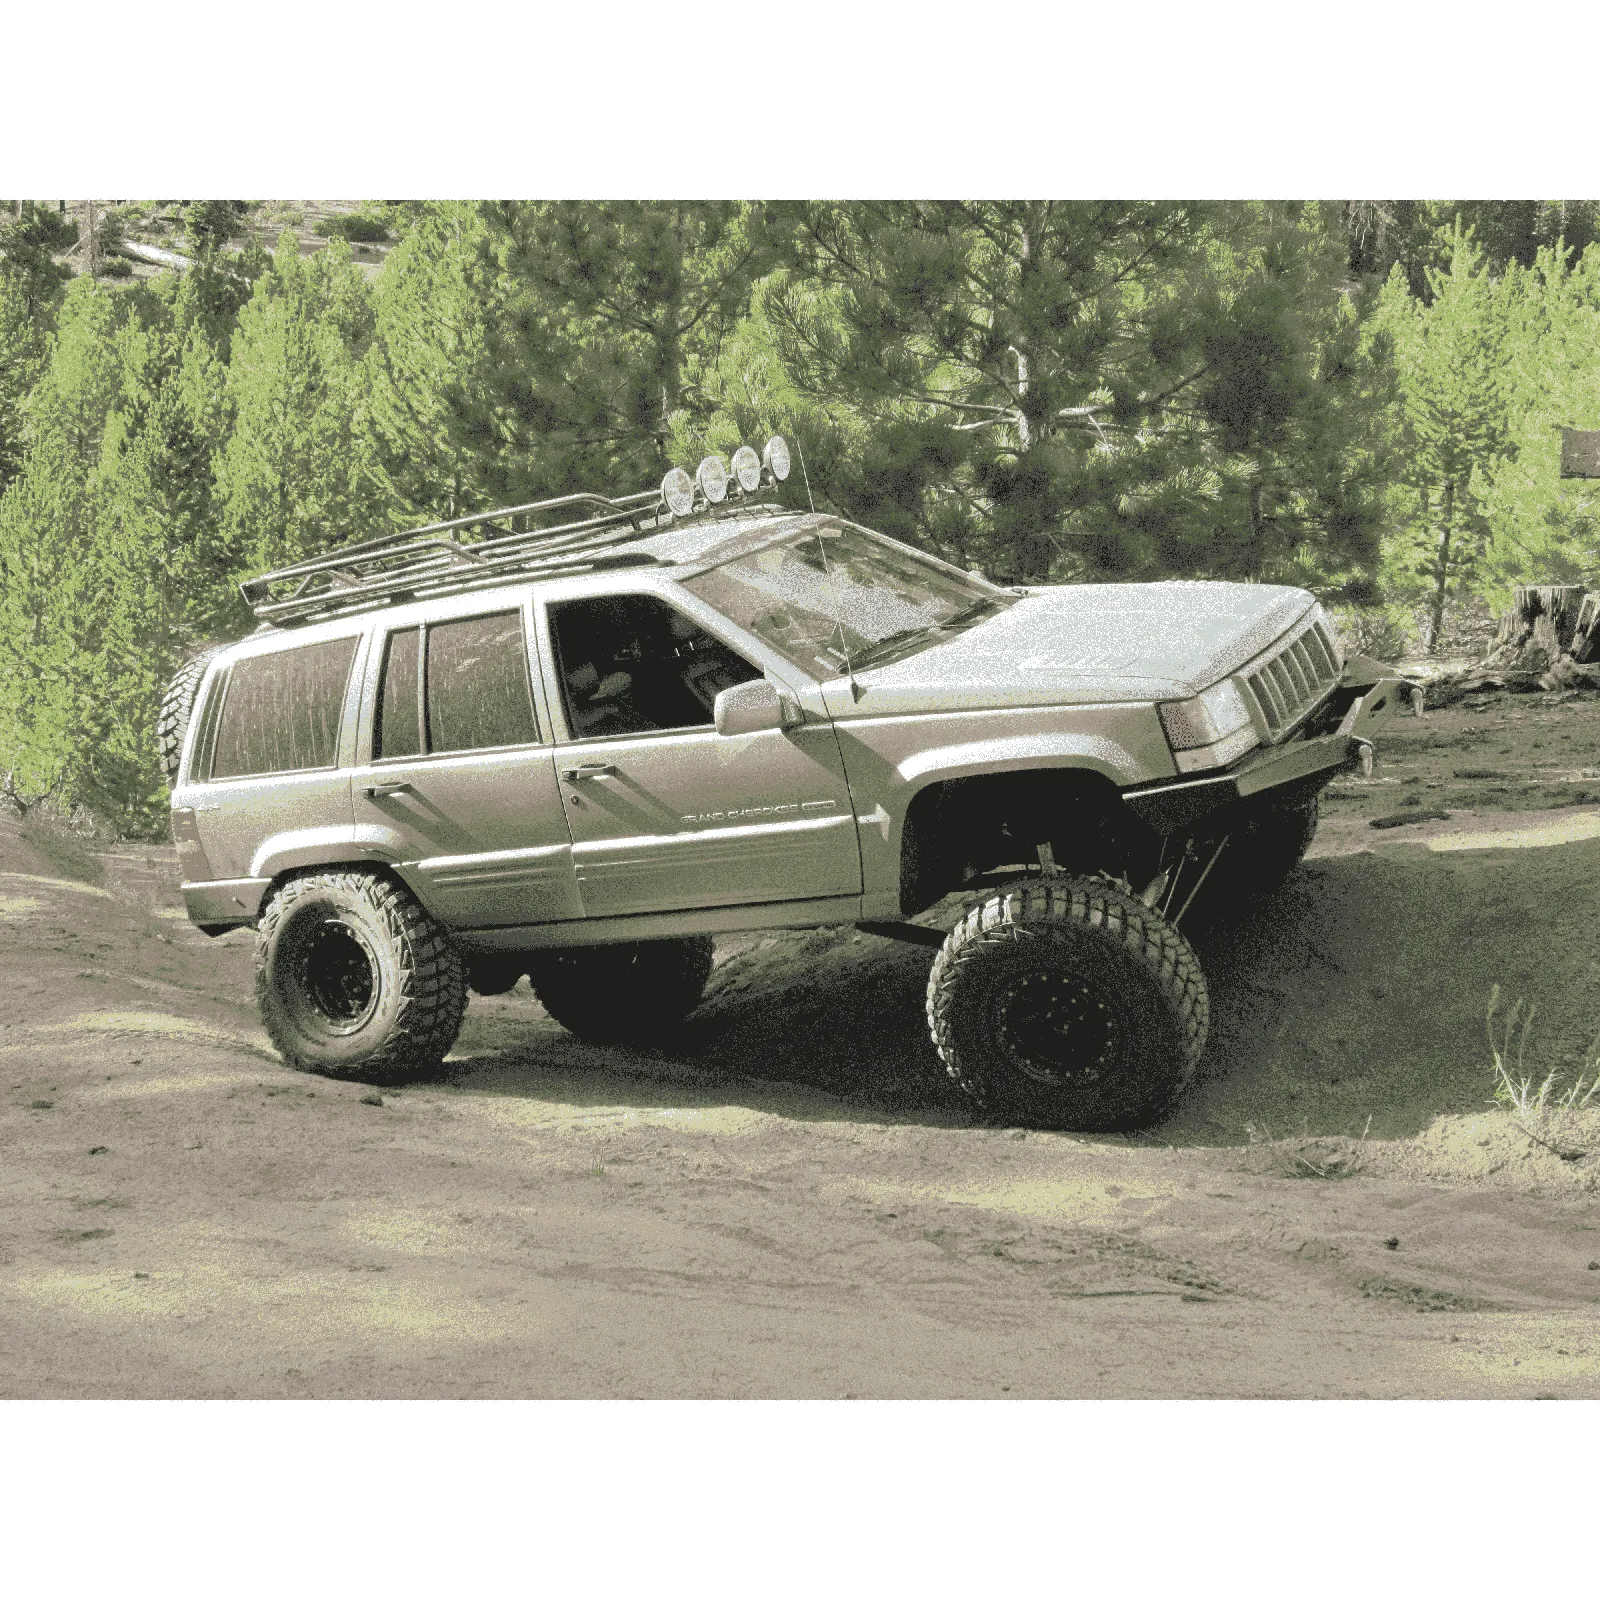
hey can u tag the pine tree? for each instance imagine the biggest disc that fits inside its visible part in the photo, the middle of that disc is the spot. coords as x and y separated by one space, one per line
613 312
51 599
1086 389
1543 528
434 441
290 481
1457 385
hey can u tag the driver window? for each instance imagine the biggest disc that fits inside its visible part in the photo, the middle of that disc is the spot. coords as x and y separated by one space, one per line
632 664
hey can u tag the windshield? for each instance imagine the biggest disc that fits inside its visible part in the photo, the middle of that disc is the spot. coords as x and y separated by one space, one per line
835 597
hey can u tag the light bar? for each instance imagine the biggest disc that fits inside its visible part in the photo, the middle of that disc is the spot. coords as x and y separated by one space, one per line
747 468
712 476
677 489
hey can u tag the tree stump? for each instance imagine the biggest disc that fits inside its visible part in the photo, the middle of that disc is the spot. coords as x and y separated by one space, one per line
1586 629
1560 602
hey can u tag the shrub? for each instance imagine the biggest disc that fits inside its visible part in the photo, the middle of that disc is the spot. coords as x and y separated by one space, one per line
355 226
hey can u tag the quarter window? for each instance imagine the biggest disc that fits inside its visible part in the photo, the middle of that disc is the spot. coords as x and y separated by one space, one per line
282 710
478 694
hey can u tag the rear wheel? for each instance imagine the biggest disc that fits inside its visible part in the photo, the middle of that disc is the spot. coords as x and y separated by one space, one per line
622 993
354 979
1064 1003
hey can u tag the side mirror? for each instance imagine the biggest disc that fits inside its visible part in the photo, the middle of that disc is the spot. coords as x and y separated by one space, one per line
753 707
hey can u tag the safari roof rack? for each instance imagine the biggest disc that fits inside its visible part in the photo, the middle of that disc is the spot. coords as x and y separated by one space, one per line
464 553
490 547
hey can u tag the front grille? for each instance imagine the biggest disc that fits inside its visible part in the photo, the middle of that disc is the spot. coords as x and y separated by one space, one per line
1289 685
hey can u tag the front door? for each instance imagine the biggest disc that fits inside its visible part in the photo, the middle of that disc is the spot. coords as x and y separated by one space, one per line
665 813
457 782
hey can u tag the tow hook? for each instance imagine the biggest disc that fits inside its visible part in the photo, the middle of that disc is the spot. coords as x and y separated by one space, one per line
1364 753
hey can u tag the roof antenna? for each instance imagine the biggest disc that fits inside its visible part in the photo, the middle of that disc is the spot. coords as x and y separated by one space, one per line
807 476
844 642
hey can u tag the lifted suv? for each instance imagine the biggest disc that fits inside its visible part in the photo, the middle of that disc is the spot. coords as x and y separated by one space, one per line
477 750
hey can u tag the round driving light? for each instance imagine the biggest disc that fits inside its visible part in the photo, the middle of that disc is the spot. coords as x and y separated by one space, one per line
713 478
677 489
776 456
747 468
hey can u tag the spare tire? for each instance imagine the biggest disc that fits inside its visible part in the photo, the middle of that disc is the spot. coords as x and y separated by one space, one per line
177 707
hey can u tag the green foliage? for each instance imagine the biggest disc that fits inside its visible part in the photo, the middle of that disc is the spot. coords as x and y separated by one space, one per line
1459 385
355 227
611 313
1050 390
289 480
435 439
210 224
31 236
1543 528
1075 389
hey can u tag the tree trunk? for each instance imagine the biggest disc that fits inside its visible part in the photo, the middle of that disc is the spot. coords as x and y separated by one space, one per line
1441 567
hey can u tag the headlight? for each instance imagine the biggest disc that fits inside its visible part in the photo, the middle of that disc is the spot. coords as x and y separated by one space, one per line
1210 730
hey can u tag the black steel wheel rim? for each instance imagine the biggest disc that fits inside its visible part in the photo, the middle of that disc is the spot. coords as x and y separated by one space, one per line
1054 1028
336 974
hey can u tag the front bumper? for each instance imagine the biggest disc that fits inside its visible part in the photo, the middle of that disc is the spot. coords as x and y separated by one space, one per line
1295 769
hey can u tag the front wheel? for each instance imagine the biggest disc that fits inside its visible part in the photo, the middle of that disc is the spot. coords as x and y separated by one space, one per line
622 993
1065 1003
354 979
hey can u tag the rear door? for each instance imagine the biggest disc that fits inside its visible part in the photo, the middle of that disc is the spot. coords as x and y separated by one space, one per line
665 813
267 760
455 777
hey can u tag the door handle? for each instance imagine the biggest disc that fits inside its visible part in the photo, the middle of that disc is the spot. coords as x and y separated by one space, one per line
382 791
593 769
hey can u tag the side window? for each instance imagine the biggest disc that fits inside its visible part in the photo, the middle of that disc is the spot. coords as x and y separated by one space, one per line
398 731
632 664
281 712
478 695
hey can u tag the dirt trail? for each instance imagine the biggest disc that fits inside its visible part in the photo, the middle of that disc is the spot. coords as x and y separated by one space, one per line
792 1203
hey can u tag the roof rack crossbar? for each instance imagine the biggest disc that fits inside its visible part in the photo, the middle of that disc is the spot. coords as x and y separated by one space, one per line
422 586
367 572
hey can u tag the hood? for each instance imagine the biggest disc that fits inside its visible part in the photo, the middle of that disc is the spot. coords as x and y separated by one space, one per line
1092 643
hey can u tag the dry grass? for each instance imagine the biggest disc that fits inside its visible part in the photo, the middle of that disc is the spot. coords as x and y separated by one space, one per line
1310 1157
1550 1114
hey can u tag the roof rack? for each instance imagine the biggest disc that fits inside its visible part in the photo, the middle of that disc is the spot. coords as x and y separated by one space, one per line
464 553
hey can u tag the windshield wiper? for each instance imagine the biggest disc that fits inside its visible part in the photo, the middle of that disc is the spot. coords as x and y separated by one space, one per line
891 642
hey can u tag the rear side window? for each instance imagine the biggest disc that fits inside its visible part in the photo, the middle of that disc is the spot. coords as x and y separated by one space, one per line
282 710
477 694
399 725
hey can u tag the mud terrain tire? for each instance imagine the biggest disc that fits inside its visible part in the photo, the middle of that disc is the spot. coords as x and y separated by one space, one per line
1068 1004
622 993
355 980
177 707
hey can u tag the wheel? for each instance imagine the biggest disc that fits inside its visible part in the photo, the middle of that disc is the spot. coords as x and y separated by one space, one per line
622 993
1064 1003
177 706
354 979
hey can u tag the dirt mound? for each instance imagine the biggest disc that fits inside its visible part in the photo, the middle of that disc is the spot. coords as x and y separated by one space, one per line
793 1201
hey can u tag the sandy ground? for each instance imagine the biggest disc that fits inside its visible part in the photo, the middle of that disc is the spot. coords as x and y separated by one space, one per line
792 1203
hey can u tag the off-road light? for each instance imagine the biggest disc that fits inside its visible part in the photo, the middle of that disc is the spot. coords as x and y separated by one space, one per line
747 468
1210 730
776 457
677 489
712 475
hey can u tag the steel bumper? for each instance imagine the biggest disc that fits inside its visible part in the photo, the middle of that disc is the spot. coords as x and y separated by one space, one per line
1296 770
